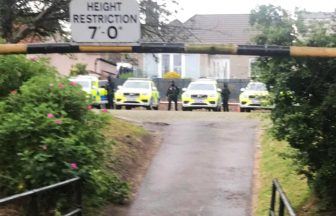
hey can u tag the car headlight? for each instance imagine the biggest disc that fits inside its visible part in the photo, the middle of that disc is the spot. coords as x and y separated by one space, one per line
244 96
212 95
145 94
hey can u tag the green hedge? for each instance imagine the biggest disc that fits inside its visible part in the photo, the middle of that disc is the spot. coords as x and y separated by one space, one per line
48 134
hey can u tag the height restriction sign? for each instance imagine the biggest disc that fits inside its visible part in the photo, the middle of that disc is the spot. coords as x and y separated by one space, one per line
105 21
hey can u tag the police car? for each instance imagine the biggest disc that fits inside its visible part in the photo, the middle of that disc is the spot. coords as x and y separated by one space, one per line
202 93
254 96
137 92
90 84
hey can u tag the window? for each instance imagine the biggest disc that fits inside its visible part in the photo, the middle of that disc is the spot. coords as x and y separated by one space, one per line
165 63
177 62
137 85
219 68
171 62
256 87
202 86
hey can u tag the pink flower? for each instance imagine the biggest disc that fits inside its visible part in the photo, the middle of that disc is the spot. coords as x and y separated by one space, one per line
89 107
60 86
50 115
73 83
13 92
73 166
58 121
34 58
104 110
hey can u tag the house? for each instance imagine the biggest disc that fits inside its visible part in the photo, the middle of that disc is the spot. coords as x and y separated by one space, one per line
204 29
102 65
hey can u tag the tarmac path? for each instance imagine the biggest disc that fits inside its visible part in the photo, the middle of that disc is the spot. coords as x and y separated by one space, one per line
204 165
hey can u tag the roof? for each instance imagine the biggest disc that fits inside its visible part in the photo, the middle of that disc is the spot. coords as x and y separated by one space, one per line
220 28
209 28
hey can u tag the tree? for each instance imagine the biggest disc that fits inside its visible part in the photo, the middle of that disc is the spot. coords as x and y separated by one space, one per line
305 95
16 70
22 19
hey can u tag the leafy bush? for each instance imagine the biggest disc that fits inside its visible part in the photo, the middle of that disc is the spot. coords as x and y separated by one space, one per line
305 98
48 134
78 69
17 69
172 75
126 75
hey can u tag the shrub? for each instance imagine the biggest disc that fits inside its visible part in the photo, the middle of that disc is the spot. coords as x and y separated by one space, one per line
172 75
48 134
78 69
17 69
126 75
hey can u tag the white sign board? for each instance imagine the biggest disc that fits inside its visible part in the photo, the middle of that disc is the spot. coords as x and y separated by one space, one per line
105 21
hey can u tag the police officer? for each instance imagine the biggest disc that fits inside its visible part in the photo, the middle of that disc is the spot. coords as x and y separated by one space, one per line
172 94
110 92
225 97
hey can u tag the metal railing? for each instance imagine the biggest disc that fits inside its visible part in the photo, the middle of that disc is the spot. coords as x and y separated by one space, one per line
33 194
284 203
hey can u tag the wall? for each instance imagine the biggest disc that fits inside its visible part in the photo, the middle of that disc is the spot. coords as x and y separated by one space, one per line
64 62
192 66
150 65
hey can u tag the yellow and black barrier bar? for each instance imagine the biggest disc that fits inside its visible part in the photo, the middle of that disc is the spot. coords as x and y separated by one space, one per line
220 49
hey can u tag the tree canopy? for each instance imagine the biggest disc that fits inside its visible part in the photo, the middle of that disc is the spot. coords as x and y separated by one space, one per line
27 19
305 94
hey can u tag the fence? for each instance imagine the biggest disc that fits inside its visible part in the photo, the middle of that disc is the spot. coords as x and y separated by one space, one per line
162 84
34 207
284 203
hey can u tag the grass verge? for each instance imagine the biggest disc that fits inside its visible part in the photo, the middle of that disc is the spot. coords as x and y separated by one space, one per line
273 164
132 149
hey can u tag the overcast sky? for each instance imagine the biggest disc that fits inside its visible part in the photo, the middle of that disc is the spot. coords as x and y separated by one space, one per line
192 7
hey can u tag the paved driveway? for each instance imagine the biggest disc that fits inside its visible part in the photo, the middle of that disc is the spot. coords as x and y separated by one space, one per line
204 166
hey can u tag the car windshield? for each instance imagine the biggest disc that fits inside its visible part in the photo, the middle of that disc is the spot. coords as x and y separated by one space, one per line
137 85
202 86
83 83
256 87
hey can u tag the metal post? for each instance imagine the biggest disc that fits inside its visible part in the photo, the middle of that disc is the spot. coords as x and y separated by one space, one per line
79 196
281 207
33 207
273 198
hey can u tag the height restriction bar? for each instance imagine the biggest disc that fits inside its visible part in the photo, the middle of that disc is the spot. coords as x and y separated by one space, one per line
220 49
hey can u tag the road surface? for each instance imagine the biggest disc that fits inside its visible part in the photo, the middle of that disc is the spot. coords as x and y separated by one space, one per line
204 165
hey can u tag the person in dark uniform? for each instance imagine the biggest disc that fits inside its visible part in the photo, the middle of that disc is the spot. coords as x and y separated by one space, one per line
172 94
110 92
225 97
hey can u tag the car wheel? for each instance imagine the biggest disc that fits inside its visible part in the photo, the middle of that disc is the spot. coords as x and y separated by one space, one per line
242 109
128 107
118 107
157 106
150 106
